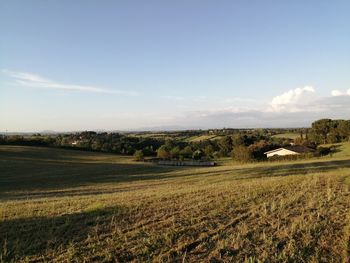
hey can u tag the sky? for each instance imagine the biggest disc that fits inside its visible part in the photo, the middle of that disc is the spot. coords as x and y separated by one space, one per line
132 64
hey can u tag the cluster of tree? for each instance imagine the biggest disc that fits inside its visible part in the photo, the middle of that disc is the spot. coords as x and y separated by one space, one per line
89 140
27 140
249 145
255 151
110 142
269 131
172 147
329 131
242 146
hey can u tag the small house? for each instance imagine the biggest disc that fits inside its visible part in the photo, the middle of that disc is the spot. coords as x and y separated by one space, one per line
289 150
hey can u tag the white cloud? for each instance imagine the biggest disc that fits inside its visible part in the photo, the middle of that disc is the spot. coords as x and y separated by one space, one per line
336 93
295 108
291 100
36 81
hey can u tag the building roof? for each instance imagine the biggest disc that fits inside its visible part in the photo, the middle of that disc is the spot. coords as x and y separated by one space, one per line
293 148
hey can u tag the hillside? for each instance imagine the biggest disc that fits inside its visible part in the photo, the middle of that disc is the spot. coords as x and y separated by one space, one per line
58 205
288 135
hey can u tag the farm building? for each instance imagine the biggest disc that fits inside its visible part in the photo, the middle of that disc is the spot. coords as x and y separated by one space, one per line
289 150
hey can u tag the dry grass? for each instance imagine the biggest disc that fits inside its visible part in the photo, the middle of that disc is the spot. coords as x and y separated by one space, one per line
203 138
59 205
288 135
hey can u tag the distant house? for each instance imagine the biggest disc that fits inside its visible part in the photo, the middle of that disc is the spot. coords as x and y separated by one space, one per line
289 150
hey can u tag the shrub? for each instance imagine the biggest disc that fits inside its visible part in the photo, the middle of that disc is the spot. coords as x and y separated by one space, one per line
242 154
197 155
138 155
291 157
175 152
321 151
187 152
163 152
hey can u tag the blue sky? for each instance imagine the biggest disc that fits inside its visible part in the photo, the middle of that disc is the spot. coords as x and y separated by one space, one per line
118 65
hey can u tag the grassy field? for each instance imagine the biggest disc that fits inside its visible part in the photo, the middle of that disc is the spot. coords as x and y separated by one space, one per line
203 138
288 135
61 205
158 136
341 149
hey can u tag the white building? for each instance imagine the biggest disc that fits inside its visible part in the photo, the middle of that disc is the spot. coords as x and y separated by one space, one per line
289 150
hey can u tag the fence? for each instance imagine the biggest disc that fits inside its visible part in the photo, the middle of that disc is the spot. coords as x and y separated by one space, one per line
186 163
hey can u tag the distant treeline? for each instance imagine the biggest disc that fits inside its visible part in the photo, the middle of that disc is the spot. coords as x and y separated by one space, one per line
172 146
242 144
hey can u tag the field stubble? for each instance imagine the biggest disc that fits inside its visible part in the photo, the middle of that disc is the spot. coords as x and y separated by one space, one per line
270 213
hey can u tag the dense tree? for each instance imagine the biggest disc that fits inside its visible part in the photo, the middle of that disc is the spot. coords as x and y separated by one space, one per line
175 152
344 129
225 145
329 131
208 151
242 154
237 139
197 155
258 149
163 152
169 143
321 128
148 150
187 152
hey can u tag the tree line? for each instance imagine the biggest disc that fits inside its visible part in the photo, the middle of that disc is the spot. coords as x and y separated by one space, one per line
241 144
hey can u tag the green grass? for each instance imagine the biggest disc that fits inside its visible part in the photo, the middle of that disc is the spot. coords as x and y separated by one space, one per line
61 205
203 138
288 135
341 149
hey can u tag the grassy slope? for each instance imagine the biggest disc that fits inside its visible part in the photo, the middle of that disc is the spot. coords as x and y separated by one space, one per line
203 138
289 135
60 204
342 149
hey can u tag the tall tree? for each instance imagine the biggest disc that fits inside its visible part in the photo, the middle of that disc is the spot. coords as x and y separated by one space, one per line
225 145
242 154
163 152
322 127
344 129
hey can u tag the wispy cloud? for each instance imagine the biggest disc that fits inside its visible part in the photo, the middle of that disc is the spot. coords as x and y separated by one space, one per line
205 99
35 81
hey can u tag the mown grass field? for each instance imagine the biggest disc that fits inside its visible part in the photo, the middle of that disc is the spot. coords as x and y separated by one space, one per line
203 138
61 205
288 135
